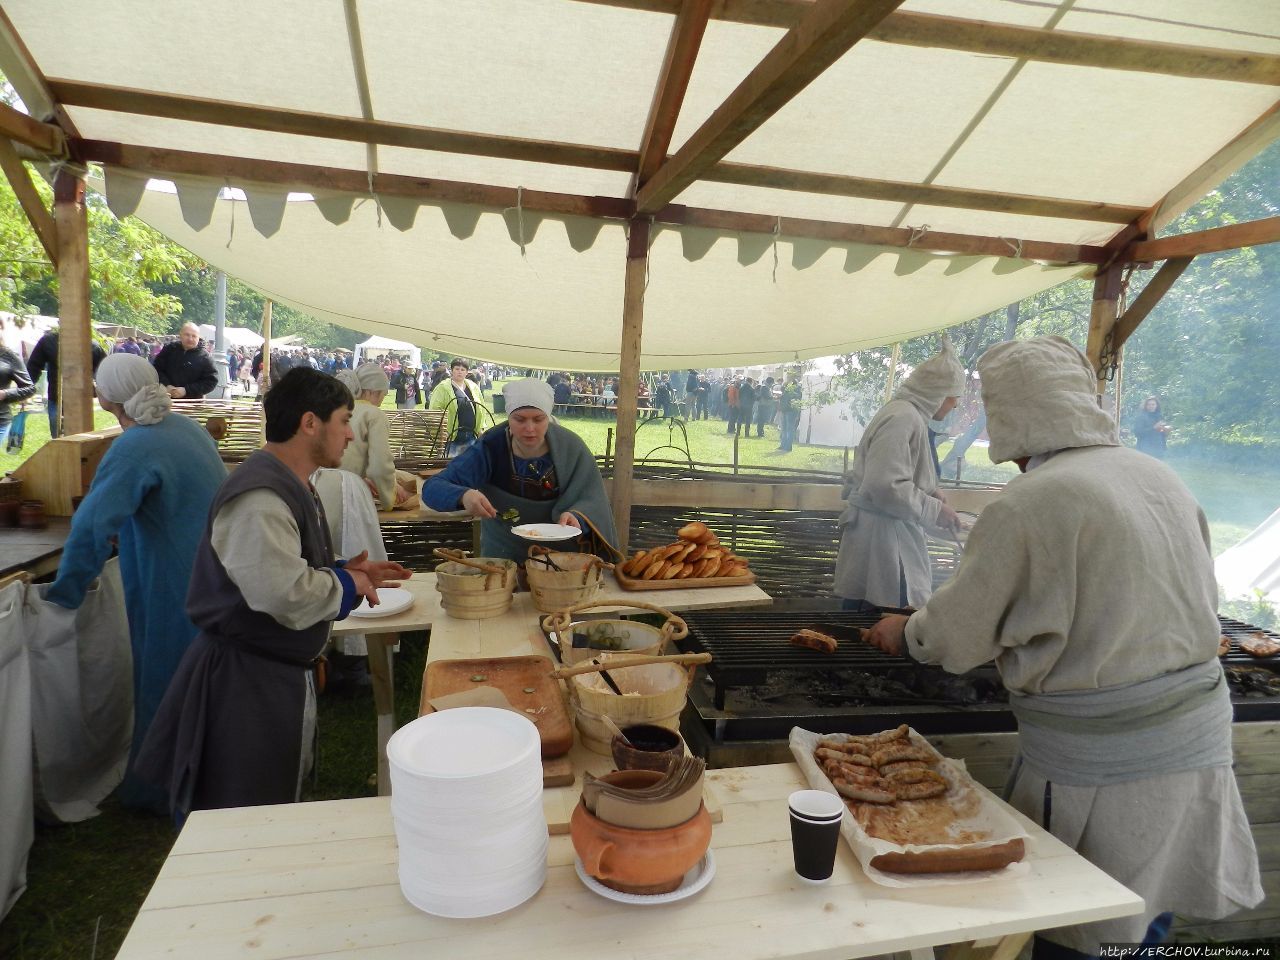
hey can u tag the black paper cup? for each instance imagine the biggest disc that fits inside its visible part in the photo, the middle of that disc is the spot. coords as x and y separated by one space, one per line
815 833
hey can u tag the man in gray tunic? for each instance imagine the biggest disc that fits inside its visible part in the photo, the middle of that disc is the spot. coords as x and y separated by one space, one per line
1090 584
237 724
893 493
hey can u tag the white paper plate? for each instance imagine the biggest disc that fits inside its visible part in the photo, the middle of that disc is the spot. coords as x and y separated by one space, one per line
391 600
694 880
546 531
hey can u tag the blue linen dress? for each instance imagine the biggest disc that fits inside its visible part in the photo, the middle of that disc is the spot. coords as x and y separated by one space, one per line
152 489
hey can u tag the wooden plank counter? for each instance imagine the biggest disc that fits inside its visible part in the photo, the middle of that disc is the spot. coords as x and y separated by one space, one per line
319 879
38 552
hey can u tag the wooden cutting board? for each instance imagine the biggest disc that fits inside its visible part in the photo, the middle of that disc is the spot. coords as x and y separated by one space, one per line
633 583
525 681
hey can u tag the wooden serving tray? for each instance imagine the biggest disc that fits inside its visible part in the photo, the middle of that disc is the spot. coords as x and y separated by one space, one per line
635 583
511 675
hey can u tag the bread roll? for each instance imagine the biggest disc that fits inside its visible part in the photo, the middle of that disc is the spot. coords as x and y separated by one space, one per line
693 532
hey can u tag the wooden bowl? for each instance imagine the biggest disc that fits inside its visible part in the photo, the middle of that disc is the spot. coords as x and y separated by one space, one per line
651 747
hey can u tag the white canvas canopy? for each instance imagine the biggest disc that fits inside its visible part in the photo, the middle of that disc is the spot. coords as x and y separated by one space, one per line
234 336
1253 564
844 172
377 347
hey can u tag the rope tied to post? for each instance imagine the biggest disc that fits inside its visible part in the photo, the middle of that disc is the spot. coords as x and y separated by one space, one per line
777 232
519 209
917 234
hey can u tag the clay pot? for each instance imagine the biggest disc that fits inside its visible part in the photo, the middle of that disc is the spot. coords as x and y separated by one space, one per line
31 514
651 748
9 513
639 861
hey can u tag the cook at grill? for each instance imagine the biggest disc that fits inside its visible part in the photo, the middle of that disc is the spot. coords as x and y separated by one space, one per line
893 493
1090 583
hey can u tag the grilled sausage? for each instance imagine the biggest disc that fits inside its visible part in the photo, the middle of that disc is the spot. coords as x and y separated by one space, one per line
867 793
814 640
902 751
919 791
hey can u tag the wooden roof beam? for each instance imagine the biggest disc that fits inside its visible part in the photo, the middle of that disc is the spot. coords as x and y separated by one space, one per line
673 83
1008 40
355 129
163 163
1248 234
42 137
1151 295
921 193
335 127
1226 161
824 35
32 205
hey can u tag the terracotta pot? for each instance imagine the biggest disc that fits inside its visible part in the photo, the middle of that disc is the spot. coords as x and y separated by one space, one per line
651 748
639 861
31 514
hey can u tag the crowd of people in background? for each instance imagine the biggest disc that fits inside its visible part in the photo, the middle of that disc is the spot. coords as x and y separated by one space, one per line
749 406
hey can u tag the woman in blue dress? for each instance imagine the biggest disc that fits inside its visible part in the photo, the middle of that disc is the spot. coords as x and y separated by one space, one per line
152 492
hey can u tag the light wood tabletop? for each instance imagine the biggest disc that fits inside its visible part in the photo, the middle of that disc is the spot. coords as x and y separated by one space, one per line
426 611
319 879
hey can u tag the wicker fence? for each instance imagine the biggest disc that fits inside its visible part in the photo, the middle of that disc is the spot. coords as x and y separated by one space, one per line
792 552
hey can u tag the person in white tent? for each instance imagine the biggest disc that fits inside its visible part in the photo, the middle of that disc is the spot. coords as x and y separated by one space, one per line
893 493
1089 582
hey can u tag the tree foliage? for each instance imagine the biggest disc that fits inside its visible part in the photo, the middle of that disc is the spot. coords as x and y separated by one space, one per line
1208 350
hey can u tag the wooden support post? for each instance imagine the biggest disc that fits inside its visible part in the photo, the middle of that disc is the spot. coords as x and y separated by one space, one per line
624 462
1102 319
75 366
266 344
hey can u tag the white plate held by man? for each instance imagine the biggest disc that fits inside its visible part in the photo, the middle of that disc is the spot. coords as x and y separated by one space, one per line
546 531
391 600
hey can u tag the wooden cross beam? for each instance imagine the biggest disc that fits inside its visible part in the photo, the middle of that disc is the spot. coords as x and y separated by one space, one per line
1151 294
824 35
673 82
161 162
32 205
1248 234
43 137
1010 40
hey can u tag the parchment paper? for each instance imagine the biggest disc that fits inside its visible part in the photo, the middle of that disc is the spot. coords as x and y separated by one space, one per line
990 817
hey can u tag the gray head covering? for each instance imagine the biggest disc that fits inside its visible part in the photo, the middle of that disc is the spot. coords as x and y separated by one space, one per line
529 393
939 377
348 379
130 380
370 376
1041 397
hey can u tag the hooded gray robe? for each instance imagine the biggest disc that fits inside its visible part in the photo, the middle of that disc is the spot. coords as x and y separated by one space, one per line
1090 584
891 492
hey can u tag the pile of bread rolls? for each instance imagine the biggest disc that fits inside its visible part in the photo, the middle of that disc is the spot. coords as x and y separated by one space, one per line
696 555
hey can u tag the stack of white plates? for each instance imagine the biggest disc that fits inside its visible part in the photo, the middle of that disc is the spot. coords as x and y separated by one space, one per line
466 799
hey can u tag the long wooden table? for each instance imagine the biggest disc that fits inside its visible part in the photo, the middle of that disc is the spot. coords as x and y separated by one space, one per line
319 879
514 633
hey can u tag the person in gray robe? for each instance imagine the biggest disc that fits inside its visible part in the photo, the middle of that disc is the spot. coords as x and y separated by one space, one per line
1089 582
893 495
236 726
529 468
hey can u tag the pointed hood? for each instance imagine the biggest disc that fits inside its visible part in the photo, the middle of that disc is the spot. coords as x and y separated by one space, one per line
1040 396
939 377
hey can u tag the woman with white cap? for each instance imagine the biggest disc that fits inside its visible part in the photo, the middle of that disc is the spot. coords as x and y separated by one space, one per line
1089 582
893 493
530 465
368 455
152 490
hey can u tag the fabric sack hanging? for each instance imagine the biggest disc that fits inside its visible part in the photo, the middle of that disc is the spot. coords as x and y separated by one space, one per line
82 697
17 826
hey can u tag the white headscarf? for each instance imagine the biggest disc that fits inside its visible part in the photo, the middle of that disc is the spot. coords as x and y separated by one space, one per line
130 380
370 376
347 378
529 393
1041 397
939 377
